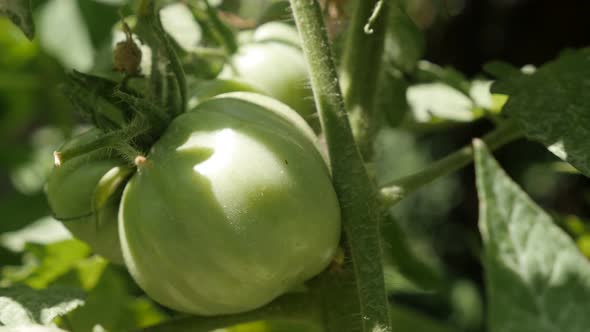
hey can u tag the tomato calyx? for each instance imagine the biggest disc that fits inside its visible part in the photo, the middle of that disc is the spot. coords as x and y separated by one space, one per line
131 114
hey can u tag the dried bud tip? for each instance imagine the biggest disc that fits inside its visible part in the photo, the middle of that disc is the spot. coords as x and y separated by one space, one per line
140 161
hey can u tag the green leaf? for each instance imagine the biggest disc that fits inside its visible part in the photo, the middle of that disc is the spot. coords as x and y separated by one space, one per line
405 260
16 216
551 106
404 41
23 306
43 231
30 328
19 12
500 69
63 34
407 320
30 177
391 96
481 95
537 280
99 18
178 21
17 53
467 305
111 304
275 11
44 264
271 326
433 102
429 72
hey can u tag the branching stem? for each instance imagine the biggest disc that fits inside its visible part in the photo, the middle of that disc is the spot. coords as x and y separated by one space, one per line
393 192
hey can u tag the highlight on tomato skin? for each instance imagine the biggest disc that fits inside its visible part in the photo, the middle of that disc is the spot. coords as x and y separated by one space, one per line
234 208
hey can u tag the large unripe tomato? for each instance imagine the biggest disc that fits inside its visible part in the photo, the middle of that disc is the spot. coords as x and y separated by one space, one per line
271 60
233 207
70 191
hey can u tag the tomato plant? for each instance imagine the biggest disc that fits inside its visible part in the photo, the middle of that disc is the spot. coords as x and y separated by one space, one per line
269 165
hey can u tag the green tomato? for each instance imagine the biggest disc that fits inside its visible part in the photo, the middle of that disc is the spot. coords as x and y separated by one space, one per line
70 192
205 89
272 61
233 207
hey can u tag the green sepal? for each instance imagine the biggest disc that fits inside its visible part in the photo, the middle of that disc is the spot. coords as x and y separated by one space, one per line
108 188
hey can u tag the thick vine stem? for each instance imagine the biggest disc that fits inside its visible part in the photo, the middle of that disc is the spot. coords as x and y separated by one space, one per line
394 191
360 69
295 307
356 194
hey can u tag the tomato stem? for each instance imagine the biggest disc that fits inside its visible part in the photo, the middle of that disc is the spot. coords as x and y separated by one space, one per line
175 64
396 190
151 28
361 68
366 305
226 35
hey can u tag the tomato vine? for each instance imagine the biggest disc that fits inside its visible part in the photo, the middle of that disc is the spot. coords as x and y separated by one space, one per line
356 193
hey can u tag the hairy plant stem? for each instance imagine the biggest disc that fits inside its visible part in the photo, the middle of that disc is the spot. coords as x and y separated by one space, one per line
225 34
120 141
149 23
295 307
396 190
356 193
105 141
360 69
115 140
152 111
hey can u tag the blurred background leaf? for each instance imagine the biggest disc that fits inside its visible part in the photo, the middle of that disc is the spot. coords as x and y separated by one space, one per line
22 306
63 34
19 12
